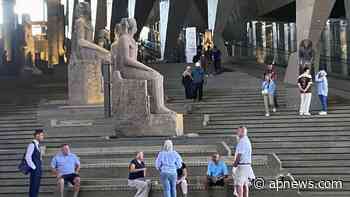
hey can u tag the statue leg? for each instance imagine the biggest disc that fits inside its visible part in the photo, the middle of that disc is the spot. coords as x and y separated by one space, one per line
156 90
158 95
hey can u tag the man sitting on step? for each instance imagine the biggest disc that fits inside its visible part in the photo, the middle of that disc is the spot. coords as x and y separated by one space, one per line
217 174
66 166
137 174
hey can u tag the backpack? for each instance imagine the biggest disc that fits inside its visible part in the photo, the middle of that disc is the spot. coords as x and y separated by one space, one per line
23 165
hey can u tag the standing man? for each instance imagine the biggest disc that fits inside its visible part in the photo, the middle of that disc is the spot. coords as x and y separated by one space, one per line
137 174
66 166
271 70
217 60
198 81
33 159
304 84
243 164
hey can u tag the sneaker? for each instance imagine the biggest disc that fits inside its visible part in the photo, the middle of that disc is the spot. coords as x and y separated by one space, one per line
323 113
301 113
267 115
274 110
307 114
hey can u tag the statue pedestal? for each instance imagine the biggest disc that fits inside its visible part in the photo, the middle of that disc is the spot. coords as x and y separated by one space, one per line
85 84
132 114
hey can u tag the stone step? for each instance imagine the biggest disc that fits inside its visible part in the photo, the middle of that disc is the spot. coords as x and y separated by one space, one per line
116 168
290 150
329 124
315 157
323 163
225 117
267 121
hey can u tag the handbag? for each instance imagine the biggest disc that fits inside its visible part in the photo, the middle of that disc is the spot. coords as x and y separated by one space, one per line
23 166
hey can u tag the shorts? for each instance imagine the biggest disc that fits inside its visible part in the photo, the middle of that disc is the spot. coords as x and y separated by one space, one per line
69 178
244 175
220 182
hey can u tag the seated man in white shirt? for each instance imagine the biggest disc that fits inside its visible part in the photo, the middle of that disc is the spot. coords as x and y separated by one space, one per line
66 166
243 159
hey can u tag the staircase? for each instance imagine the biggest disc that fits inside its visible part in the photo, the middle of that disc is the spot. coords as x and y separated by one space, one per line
309 148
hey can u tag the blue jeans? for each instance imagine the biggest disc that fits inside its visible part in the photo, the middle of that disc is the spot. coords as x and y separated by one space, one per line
324 101
168 181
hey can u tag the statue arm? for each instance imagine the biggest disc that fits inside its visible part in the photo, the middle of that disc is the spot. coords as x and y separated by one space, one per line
129 61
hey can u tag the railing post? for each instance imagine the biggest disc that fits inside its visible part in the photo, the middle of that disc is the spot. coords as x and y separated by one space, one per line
106 73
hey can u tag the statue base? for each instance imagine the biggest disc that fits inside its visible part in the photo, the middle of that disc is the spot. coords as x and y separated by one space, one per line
85 83
132 114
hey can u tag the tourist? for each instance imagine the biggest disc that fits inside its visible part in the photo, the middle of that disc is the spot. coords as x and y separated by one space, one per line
304 84
217 173
167 162
270 69
268 91
4 58
65 167
182 179
204 62
322 89
198 81
243 159
137 174
217 60
187 82
33 159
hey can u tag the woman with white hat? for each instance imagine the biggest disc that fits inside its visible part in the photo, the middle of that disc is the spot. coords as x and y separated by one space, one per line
322 89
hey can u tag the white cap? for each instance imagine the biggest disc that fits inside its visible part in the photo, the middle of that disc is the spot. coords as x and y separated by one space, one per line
197 64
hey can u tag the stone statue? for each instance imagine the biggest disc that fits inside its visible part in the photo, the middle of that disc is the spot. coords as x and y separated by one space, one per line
138 94
84 73
306 54
130 68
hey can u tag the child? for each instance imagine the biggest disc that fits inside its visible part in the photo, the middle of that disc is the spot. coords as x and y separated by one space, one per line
322 89
268 91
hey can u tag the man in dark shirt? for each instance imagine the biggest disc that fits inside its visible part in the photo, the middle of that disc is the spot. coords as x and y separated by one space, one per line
198 81
137 174
304 84
182 179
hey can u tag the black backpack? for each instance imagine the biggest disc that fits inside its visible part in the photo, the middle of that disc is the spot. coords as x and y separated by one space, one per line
23 165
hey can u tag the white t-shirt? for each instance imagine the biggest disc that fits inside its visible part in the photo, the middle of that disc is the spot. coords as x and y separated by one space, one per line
244 148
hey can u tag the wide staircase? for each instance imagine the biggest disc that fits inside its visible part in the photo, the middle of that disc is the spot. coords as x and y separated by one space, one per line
313 148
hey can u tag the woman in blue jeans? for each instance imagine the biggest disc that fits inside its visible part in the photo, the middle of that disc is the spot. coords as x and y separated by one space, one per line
167 162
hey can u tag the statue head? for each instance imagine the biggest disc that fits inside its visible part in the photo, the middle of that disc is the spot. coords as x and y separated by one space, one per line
132 26
306 44
128 25
83 10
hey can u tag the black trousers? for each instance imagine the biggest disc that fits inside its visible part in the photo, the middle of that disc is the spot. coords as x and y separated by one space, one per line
198 90
34 187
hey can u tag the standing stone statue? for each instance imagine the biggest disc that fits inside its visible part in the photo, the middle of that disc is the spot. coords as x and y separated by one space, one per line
306 55
84 70
138 93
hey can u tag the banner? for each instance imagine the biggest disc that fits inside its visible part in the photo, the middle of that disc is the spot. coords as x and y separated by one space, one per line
191 44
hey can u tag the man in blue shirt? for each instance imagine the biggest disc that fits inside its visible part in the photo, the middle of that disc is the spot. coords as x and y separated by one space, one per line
217 171
66 166
198 81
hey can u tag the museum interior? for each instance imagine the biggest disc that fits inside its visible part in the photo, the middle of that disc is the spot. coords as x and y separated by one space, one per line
108 77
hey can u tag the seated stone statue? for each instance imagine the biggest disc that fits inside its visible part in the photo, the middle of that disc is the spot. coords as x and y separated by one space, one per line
84 70
138 93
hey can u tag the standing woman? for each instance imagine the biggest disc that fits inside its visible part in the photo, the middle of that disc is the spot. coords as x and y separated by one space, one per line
187 82
167 162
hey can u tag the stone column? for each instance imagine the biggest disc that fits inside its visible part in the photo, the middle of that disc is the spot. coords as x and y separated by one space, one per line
101 17
8 26
263 34
53 30
293 37
178 10
344 47
327 46
142 10
119 11
286 37
224 9
311 19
